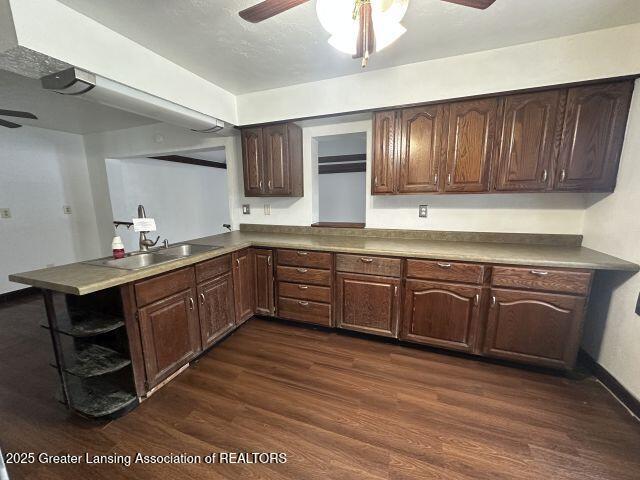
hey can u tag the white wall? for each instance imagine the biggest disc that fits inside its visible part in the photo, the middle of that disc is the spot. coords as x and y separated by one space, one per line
599 54
150 140
612 225
43 170
187 201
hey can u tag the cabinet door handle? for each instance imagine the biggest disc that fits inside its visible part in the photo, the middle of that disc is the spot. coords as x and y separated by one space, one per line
238 261
545 175
191 304
435 179
444 265
375 181
395 291
303 287
260 183
269 184
269 260
563 175
304 304
541 273
202 300
449 178
476 299
303 254
302 270
366 260
493 300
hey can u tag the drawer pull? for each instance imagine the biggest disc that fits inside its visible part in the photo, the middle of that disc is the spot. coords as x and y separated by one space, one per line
493 300
191 304
303 254
304 304
366 260
302 270
476 299
541 273
303 287
444 265
202 300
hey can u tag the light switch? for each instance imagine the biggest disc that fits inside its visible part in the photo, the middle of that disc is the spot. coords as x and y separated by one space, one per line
66 209
422 211
246 209
5 213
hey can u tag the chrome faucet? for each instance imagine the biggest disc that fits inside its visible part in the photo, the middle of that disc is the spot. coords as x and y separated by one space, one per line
144 242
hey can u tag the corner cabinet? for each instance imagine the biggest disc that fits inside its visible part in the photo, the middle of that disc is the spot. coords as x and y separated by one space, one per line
560 139
272 161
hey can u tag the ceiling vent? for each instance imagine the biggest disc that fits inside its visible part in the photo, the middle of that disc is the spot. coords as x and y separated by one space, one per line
75 81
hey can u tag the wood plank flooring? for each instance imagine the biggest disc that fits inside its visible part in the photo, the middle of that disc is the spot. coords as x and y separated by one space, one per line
339 406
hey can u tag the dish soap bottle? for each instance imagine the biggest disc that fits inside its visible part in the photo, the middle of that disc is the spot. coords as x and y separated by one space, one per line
118 247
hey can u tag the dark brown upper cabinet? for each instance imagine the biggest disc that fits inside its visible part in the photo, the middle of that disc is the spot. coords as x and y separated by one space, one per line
384 152
592 136
472 127
420 148
272 161
549 140
527 148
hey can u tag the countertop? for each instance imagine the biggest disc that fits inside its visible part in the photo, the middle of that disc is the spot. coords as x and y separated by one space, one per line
81 279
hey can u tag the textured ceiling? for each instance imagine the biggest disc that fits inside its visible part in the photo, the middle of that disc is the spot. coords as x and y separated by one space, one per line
208 38
61 112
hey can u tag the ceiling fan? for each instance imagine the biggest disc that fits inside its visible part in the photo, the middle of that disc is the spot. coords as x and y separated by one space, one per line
358 27
17 114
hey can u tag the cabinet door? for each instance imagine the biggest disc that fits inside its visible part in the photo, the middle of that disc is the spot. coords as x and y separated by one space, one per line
592 136
170 335
368 303
527 149
536 328
263 261
441 314
420 148
243 284
216 307
276 160
252 161
383 175
471 135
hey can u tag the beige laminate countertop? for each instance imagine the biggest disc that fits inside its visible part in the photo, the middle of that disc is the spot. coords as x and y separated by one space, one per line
81 279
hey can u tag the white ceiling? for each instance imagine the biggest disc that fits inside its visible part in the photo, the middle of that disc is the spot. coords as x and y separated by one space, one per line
60 112
209 38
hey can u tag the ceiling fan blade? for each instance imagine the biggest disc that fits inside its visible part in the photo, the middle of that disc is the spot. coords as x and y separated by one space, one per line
268 9
481 4
16 113
8 124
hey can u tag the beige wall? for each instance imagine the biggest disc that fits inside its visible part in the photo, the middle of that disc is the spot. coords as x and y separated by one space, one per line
612 225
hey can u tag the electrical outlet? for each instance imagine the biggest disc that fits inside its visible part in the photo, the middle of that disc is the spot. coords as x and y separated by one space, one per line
246 209
5 213
422 211
66 209
267 209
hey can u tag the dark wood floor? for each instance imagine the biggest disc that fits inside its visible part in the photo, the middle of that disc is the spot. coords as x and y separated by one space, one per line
340 407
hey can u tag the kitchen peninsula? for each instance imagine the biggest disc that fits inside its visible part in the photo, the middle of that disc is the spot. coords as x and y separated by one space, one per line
516 297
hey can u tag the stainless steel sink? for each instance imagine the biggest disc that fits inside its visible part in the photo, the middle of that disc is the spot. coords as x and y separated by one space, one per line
185 250
138 261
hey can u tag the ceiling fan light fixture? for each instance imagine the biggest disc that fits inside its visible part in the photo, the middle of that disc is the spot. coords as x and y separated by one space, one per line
337 18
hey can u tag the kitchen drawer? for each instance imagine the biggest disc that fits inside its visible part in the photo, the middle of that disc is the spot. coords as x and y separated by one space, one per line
448 271
534 278
386 267
304 258
304 311
305 292
311 276
213 268
163 286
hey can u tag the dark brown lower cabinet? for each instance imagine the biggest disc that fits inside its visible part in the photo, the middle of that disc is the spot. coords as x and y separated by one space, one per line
441 314
216 307
170 334
368 303
264 286
243 284
534 328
